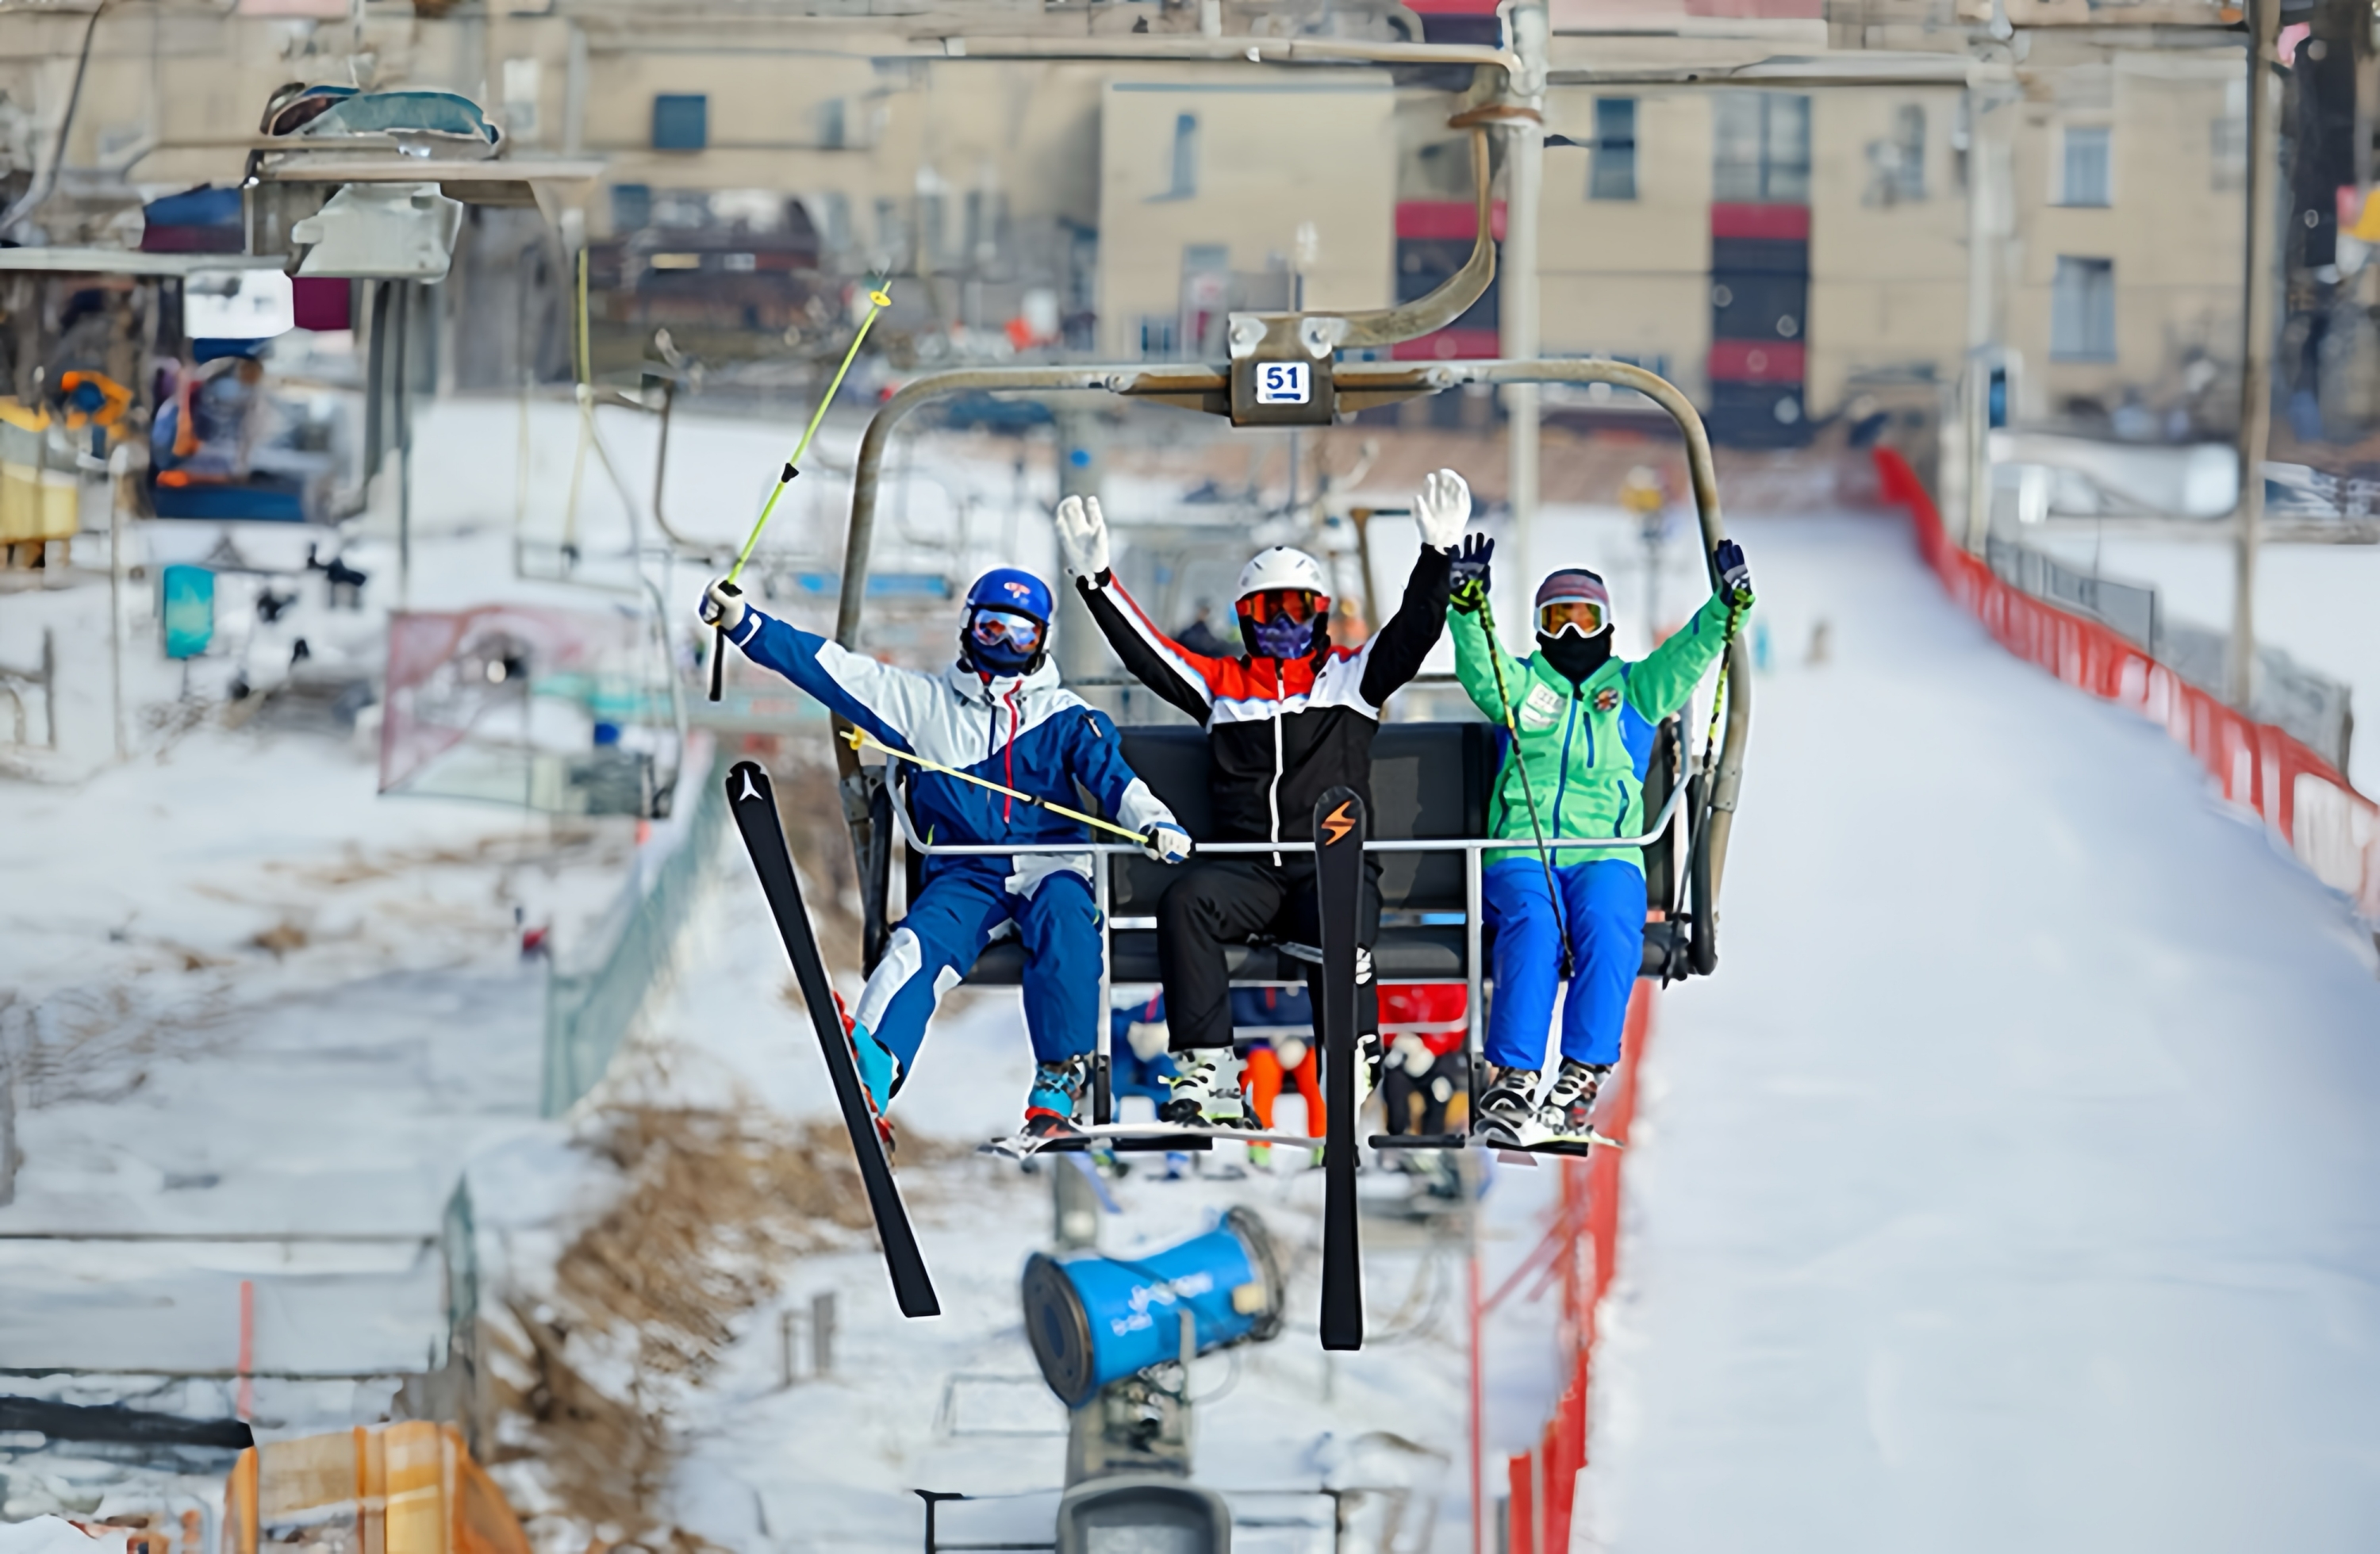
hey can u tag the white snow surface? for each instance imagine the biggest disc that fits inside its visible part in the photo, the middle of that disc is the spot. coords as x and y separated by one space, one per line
55 1534
2013 1183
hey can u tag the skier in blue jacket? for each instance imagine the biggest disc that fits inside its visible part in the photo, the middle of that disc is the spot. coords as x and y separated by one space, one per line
998 713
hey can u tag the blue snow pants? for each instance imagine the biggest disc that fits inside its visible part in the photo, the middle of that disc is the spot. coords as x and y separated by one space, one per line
1603 903
934 947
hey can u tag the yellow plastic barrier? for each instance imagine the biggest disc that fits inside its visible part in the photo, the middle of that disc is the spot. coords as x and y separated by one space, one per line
410 1488
38 491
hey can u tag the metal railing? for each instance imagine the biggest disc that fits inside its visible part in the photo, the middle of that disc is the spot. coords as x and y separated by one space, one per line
1472 848
588 1013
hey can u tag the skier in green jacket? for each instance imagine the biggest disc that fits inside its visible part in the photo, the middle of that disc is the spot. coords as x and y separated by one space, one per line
1581 723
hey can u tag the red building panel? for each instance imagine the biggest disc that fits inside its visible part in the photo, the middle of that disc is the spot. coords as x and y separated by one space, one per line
1791 222
1756 361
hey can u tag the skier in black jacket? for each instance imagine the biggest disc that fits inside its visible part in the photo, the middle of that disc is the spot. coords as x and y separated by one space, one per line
1288 721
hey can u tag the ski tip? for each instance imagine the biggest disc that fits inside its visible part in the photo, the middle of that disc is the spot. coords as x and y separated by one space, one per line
747 781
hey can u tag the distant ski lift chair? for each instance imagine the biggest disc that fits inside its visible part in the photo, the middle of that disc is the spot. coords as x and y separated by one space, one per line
1430 780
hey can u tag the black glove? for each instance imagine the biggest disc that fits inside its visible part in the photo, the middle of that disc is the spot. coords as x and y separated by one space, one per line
1468 576
1734 574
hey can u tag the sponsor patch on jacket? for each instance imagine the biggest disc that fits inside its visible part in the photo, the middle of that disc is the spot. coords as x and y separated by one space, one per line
1541 708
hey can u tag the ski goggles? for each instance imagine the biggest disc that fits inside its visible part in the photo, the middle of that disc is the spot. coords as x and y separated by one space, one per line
1294 605
1586 616
991 628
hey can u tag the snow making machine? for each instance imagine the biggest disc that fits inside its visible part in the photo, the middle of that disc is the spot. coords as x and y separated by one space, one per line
1431 781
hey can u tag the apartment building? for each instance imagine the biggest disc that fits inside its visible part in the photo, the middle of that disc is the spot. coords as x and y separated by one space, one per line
1772 250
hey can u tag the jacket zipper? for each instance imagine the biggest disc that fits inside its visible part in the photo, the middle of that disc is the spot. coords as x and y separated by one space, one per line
1272 794
1562 784
1008 757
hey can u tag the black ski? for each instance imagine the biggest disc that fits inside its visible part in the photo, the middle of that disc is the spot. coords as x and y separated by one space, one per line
1338 829
754 805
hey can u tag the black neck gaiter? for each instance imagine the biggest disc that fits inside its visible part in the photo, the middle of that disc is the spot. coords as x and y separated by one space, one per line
1575 657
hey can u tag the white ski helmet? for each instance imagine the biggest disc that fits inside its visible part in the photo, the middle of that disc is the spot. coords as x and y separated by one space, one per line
1281 567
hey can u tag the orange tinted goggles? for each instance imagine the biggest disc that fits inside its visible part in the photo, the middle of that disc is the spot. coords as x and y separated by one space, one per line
1295 605
1584 614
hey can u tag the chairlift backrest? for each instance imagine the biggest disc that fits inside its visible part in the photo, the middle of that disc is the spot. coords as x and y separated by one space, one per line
1428 780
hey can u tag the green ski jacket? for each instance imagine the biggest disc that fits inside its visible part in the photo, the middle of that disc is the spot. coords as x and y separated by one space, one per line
1586 746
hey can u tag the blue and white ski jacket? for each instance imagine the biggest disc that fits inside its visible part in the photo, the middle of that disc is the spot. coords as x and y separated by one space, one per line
1023 731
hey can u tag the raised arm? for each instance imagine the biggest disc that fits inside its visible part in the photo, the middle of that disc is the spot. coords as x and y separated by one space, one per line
1393 655
1665 681
886 701
1478 656
1155 660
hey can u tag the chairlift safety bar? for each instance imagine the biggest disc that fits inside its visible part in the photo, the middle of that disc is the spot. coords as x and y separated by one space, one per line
1473 849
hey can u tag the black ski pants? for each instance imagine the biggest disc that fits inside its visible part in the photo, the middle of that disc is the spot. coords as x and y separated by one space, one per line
1231 901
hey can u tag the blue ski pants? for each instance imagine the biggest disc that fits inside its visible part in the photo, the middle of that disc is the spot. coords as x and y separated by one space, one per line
935 946
1603 904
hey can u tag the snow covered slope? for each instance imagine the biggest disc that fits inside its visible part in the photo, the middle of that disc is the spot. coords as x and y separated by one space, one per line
2014 1184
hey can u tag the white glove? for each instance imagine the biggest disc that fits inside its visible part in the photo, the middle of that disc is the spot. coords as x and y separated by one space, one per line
1409 1052
1166 841
1290 1052
723 606
1148 1039
1442 508
1083 536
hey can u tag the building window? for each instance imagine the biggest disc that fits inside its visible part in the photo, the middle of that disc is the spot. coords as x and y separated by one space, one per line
831 128
632 207
1761 154
891 237
1184 183
520 98
1612 174
1896 163
2083 311
2082 168
681 121
2228 153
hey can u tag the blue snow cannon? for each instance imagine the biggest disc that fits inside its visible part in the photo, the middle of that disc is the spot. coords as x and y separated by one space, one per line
1093 1319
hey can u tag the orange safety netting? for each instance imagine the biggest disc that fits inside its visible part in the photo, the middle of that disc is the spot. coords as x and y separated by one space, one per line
2334 829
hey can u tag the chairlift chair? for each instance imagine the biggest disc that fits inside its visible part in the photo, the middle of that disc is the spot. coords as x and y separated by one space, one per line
1430 780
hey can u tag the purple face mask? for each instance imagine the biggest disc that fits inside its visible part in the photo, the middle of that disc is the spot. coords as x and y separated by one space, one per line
1280 638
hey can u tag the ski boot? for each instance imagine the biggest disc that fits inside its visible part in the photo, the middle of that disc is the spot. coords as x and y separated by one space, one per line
879 1071
1206 1090
1049 1107
1567 1111
1506 1105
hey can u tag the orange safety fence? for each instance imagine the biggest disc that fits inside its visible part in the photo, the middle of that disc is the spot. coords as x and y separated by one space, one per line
2313 810
1581 1250
409 1488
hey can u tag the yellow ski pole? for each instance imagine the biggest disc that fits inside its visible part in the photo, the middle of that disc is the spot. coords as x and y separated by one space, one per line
860 740
877 300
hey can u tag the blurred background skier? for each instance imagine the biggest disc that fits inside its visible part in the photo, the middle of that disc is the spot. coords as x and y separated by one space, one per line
1580 723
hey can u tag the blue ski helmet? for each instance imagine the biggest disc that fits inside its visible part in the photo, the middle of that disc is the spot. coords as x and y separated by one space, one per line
1006 591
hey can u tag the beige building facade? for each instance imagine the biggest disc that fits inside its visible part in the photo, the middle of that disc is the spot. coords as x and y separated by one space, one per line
1153 198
